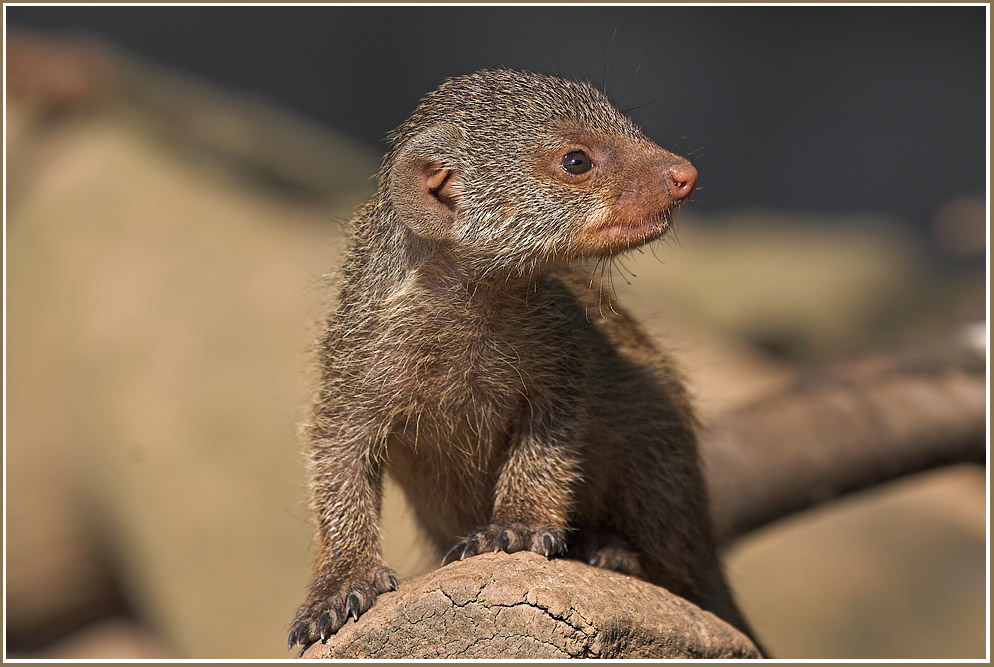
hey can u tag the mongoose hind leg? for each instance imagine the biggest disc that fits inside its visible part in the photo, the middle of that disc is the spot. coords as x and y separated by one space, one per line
719 601
705 585
607 550
666 519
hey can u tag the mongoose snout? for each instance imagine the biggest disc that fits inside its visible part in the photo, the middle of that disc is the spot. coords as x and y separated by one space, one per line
683 178
643 184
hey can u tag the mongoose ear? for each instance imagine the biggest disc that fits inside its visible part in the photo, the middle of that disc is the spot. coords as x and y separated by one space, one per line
424 187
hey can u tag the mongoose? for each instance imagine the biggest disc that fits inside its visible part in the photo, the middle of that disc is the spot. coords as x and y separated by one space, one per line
474 357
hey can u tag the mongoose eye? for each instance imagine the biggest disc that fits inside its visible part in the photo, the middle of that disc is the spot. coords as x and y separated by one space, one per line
576 162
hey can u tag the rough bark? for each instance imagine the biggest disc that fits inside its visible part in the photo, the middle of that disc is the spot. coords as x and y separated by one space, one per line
525 606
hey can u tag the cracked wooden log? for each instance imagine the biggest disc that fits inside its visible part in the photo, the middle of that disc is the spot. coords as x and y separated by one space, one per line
525 606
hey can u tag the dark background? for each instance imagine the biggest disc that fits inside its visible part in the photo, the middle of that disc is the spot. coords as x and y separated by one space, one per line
837 110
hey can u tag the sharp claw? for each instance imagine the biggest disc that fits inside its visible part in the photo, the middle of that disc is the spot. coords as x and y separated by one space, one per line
393 581
323 622
502 542
291 642
471 544
353 606
298 637
453 553
547 543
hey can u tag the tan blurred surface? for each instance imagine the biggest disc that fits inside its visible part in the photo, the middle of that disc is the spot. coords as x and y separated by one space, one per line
158 321
894 573
112 639
160 304
159 314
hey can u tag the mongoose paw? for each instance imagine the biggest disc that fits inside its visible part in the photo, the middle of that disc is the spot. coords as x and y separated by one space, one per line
510 538
616 556
328 609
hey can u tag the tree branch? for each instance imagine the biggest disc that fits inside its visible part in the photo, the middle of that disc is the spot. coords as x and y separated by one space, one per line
855 427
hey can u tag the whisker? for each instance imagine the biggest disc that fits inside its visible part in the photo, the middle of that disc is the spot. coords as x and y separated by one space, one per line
628 84
610 280
639 106
625 269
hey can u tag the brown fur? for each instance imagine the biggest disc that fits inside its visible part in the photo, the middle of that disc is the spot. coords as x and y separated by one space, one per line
516 405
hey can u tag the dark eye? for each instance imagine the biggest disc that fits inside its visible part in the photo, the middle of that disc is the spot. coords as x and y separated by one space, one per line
576 162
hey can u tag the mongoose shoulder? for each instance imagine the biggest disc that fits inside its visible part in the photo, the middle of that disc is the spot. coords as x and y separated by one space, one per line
470 355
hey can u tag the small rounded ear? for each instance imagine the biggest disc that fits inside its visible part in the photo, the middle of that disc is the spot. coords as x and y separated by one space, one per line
423 185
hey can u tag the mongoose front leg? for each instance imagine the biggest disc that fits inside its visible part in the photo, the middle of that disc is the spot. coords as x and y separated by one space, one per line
350 572
534 491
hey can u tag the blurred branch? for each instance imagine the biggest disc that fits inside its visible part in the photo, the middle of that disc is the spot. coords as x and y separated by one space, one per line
857 426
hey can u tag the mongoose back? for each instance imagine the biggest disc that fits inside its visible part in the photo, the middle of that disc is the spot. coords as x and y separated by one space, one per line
516 404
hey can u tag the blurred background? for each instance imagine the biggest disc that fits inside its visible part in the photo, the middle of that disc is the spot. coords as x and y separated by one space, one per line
176 182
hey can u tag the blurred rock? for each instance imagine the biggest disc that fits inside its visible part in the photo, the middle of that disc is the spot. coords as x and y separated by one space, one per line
161 308
806 289
961 227
53 75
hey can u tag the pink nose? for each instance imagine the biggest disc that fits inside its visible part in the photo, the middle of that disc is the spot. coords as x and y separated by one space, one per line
683 178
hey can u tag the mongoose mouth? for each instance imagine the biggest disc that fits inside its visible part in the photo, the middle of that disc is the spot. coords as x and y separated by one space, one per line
620 234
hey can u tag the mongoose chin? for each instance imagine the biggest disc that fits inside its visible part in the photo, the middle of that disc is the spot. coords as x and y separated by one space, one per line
468 355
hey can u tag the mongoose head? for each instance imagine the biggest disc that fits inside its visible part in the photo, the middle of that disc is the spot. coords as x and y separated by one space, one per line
514 170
